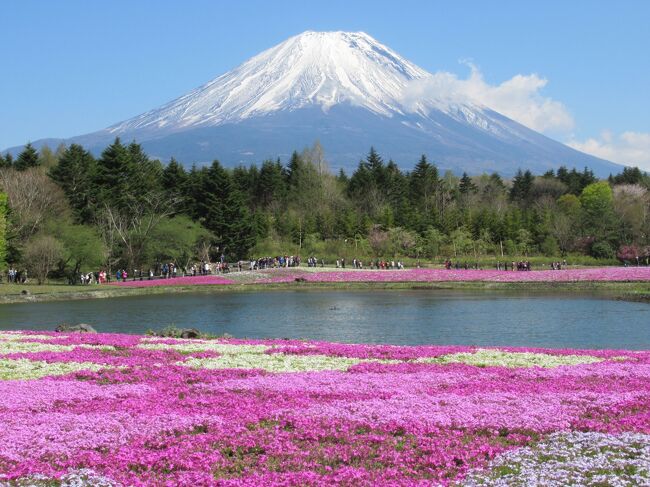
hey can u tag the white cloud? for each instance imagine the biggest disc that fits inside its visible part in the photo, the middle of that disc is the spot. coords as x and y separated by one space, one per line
629 148
518 98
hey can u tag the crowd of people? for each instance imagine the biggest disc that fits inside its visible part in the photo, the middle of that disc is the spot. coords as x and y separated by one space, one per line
275 262
523 265
16 276
374 264
170 270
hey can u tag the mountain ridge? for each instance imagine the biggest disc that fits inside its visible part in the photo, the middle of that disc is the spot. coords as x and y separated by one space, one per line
347 90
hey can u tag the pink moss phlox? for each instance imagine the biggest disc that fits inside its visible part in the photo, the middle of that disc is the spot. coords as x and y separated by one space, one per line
442 275
145 419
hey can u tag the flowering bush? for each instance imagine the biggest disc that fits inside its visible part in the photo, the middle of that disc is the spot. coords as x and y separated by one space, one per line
125 410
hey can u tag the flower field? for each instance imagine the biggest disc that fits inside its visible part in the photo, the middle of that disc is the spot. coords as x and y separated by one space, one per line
102 409
269 276
593 274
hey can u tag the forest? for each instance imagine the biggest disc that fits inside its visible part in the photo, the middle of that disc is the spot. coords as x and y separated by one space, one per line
65 211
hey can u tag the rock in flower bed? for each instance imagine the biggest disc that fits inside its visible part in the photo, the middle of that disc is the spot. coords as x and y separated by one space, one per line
112 410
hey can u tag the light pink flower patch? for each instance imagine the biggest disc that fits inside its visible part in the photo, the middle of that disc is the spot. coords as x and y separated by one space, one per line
443 275
400 416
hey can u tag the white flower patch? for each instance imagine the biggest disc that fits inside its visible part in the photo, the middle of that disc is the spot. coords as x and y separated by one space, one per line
276 362
77 478
589 459
31 347
15 335
193 346
104 348
499 358
24 369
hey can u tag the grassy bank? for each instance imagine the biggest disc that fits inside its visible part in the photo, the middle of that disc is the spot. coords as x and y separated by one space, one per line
10 293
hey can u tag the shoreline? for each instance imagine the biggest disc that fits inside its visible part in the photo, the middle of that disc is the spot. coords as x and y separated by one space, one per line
637 291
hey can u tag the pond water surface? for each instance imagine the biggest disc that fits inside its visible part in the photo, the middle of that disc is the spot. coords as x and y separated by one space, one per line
379 316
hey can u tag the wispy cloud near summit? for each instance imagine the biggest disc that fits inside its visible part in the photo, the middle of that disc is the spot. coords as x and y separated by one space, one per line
519 98
629 148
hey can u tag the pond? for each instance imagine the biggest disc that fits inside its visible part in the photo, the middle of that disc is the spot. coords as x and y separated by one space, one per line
406 317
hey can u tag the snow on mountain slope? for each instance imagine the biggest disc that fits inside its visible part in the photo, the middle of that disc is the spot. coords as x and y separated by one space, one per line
350 92
313 68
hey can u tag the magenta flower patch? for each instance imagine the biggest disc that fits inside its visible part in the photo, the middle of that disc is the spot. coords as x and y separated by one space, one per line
128 410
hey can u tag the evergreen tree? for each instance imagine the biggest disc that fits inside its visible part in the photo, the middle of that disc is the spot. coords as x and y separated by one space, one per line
27 158
74 173
175 181
521 186
294 169
466 185
246 180
238 235
214 182
375 165
342 178
111 179
271 187
423 184
496 181
174 178
144 174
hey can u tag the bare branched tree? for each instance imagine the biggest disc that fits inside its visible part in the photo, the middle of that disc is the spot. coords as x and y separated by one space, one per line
41 255
203 250
131 227
33 198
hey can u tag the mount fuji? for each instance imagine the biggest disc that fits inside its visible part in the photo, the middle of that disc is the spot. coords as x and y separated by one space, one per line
348 91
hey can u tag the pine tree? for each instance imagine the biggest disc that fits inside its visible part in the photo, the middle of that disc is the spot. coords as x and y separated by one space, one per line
375 165
214 182
174 181
466 185
423 184
521 186
111 178
271 186
239 229
496 181
174 178
144 174
294 169
341 177
27 158
74 174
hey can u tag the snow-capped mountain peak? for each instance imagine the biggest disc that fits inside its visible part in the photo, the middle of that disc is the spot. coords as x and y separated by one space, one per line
350 92
312 68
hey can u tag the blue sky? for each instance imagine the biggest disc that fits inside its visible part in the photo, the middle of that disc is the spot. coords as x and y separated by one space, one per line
76 66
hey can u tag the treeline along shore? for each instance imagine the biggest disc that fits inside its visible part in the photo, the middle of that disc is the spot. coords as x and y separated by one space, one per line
67 212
